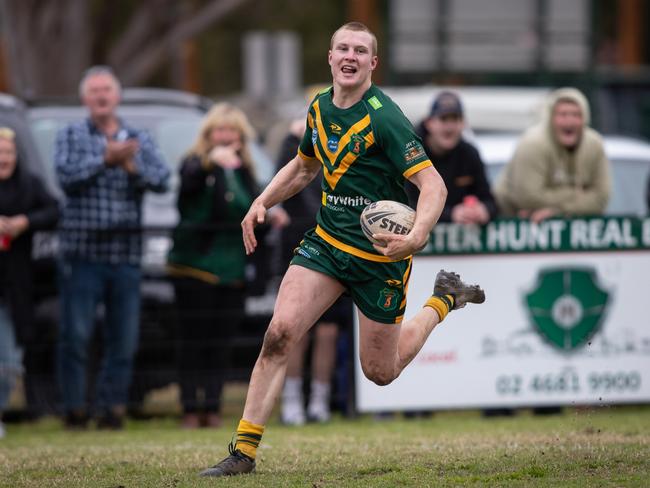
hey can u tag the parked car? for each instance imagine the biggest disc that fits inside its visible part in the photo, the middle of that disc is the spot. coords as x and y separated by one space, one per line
630 165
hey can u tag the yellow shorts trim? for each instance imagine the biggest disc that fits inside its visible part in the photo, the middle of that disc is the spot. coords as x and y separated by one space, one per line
378 258
187 271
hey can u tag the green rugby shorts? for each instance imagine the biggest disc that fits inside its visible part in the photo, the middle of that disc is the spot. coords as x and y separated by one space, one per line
378 289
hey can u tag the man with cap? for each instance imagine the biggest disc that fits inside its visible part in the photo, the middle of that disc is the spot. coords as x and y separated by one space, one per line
469 200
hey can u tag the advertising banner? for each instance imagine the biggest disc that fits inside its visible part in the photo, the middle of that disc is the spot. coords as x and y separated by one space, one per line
564 322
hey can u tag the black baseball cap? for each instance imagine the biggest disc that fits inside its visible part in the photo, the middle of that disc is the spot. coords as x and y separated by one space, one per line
446 103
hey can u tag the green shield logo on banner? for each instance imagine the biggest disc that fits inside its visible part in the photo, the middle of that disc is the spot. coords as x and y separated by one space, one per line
567 306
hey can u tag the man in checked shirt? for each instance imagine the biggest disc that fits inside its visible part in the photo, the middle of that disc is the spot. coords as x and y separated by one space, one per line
104 167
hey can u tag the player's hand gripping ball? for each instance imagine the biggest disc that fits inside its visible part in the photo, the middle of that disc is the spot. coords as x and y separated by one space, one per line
386 217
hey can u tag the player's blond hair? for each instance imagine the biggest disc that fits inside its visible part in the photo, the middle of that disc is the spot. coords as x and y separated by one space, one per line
357 27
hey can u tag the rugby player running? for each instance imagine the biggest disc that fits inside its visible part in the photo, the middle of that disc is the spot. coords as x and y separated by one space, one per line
366 148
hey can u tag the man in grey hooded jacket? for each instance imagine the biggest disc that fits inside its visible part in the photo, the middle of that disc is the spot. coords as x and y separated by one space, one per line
559 166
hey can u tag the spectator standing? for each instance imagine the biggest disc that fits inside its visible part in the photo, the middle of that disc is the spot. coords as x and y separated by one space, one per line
208 257
469 199
25 206
302 208
559 166
104 166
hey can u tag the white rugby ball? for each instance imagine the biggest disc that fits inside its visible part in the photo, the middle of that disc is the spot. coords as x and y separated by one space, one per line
386 217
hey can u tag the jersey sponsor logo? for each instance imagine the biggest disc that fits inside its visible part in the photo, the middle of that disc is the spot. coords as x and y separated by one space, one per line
375 103
357 144
335 128
314 135
333 144
388 299
347 201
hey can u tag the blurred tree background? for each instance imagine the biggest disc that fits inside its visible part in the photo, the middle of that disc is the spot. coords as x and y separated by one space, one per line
191 44
599 46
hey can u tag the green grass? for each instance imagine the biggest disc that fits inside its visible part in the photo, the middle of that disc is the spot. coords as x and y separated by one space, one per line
593 447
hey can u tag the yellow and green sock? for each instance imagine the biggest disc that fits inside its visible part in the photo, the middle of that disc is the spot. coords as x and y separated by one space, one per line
249 436
442 304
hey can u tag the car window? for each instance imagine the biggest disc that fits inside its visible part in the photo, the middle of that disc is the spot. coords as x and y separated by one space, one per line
174 138
492 171
628 187
44 132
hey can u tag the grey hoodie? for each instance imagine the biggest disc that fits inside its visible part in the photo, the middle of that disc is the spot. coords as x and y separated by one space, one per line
544 174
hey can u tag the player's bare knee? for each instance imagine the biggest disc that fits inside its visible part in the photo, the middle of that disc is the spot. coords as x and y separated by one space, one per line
278 341
379 376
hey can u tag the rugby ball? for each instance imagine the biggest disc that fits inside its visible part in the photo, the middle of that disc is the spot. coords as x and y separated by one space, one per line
386 217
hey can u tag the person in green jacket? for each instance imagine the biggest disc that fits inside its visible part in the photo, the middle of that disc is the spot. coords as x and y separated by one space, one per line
559 167
208 259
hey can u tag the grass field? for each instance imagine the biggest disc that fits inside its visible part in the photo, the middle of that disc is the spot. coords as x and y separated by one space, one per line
587 447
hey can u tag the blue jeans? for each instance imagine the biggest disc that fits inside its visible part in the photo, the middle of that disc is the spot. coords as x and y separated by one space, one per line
10 357
83 286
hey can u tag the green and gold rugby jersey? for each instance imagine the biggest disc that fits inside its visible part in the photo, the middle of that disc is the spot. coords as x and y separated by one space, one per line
366 151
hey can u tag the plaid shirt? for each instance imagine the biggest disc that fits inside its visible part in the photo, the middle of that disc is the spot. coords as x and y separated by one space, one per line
102 214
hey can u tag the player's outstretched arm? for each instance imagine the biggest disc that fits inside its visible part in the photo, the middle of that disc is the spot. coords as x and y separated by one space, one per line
292 178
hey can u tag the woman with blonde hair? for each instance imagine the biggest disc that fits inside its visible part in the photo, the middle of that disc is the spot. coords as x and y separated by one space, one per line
224 138
208 258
